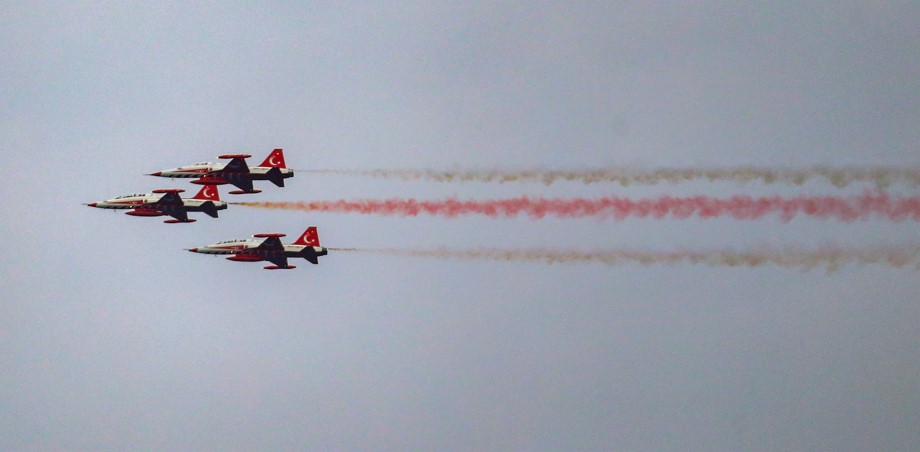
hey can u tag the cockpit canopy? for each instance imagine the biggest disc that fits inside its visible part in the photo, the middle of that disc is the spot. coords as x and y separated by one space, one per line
233 241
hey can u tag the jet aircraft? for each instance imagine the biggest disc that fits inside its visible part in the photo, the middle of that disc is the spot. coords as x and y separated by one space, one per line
235 172
167 202
270 249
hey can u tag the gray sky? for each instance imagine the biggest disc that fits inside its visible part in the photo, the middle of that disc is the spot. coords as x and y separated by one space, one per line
112 337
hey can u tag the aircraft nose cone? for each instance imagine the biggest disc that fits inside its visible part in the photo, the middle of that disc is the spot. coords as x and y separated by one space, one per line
92 204
155 174
194 250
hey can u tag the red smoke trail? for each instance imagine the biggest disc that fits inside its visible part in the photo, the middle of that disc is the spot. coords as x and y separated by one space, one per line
868 205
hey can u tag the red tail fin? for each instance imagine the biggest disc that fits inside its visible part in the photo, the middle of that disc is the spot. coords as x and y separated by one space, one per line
208 192
275 159
309 237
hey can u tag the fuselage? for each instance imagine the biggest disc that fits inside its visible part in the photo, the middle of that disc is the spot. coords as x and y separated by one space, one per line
199 170
139 199
237 245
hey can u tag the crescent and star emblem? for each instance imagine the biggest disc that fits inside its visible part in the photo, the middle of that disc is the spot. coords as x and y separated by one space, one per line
207 192
272 161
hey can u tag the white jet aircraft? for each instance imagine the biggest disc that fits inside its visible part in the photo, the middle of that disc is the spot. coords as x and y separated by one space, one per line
270 249
167 202
235 172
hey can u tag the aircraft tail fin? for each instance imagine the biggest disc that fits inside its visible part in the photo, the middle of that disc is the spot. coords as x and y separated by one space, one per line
275 159
310 237
208 192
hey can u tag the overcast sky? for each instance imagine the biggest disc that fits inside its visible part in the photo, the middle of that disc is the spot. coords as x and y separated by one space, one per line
112 337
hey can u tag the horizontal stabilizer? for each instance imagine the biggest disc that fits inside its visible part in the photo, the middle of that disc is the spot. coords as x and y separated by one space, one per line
274 175
311 255
209 208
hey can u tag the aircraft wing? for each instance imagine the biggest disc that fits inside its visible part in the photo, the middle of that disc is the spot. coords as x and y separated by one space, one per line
241 181
170 198
272 250
171 204
278 259
271 244
179 214
235 172
236 165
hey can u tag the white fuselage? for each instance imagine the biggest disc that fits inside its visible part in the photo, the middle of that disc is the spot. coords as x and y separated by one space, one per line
139 199
128 201
202 169
235 246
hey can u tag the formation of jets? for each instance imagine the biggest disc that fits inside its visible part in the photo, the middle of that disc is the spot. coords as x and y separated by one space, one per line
262 247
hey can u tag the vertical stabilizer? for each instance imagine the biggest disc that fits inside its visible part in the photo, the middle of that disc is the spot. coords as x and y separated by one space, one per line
275 159
208 192
309 238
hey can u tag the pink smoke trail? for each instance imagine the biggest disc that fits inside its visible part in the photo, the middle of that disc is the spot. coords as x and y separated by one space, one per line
852 208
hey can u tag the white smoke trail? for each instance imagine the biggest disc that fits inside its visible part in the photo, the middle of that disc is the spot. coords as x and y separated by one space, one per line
829 258
881 177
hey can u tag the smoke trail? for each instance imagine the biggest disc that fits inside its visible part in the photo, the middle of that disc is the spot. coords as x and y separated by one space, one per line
868 205
829 258
881 177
